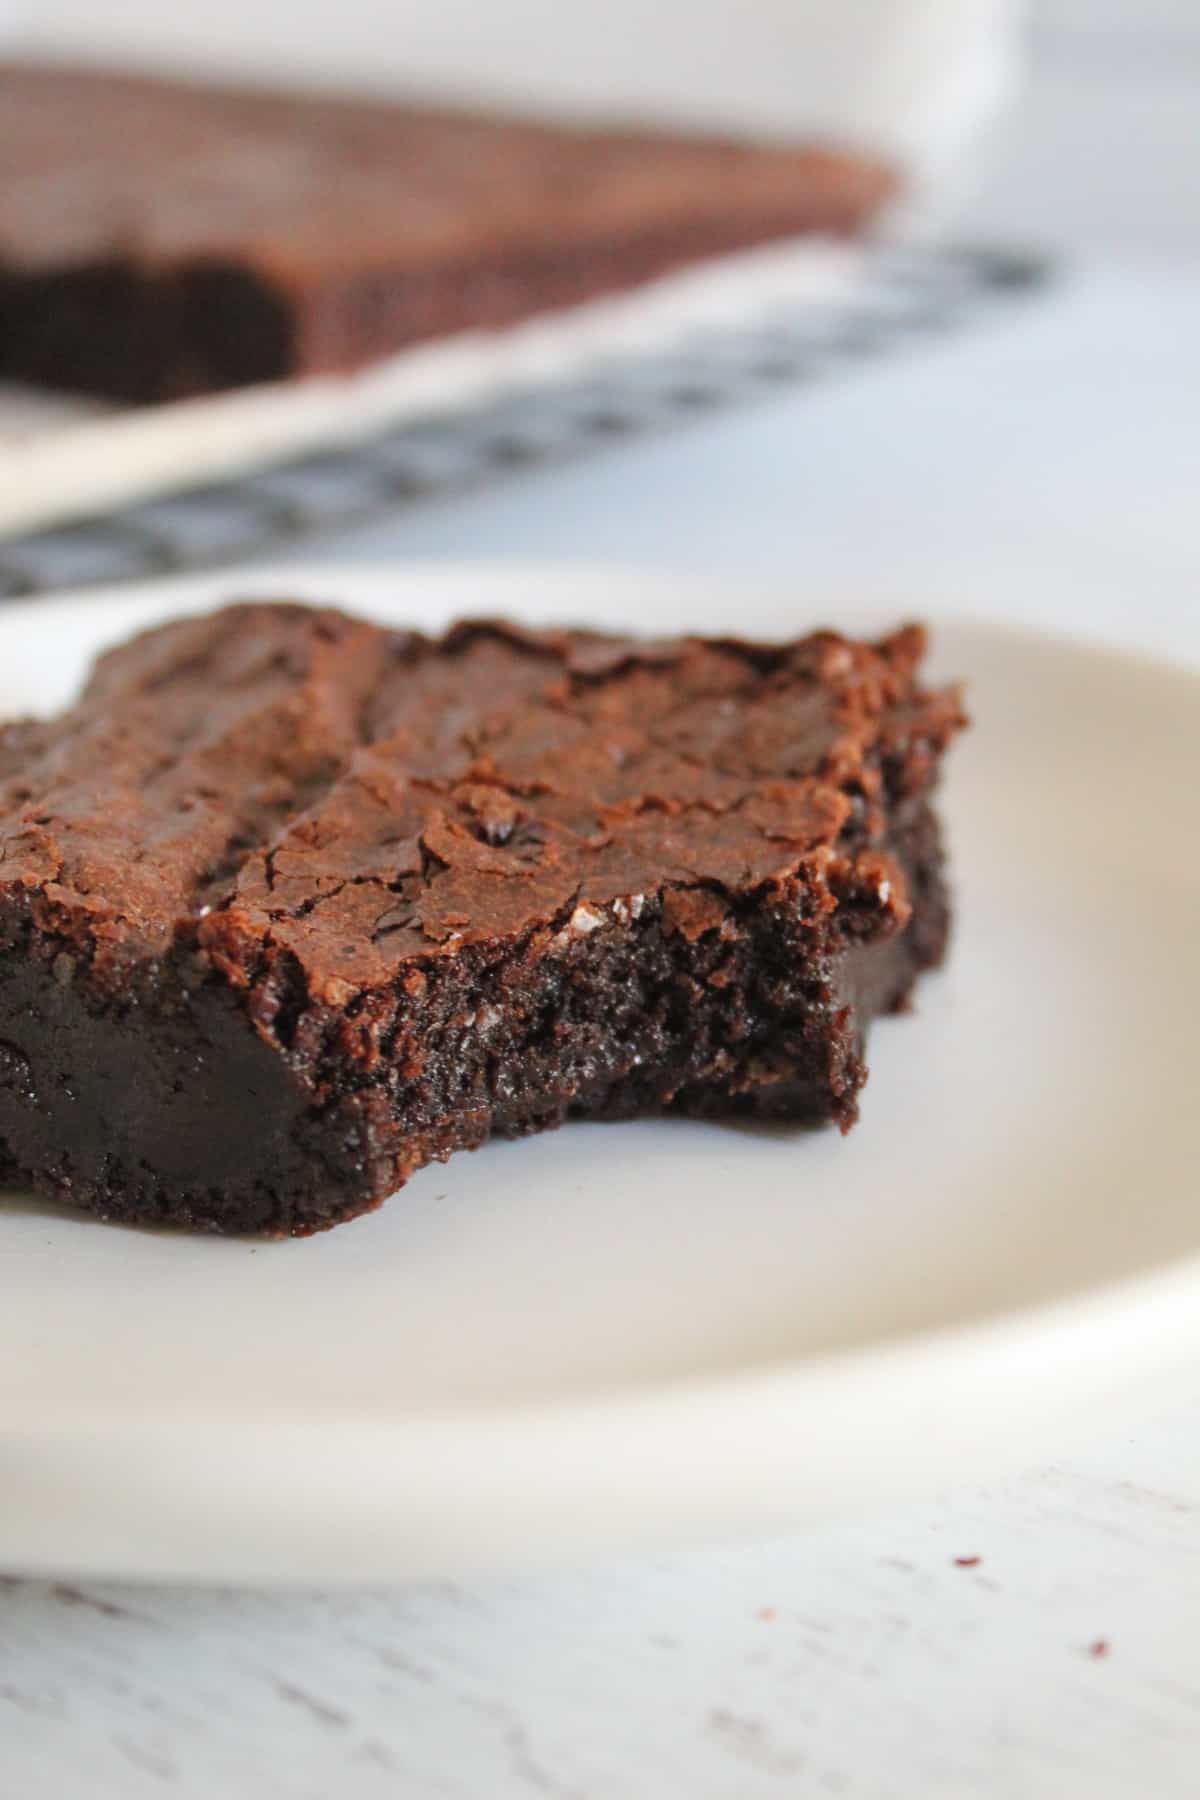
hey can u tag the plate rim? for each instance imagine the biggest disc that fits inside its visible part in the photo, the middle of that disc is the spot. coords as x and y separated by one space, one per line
1153 1311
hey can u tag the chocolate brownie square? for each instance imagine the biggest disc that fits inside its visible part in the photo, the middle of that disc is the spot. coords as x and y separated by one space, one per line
292 905
161 239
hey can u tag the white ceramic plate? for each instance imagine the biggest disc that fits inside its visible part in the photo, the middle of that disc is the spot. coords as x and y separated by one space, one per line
642 1333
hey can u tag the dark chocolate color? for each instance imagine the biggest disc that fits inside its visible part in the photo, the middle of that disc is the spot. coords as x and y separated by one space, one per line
160 239
291 905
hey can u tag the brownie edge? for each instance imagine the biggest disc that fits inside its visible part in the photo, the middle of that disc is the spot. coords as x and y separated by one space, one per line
161 239
291 905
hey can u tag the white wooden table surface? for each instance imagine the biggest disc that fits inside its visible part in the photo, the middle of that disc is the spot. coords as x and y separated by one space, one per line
1045 467
864 1661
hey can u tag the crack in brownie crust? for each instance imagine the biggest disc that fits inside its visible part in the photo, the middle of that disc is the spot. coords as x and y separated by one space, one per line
291 905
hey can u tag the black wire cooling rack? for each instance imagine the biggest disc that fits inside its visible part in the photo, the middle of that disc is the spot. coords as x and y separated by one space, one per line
905 294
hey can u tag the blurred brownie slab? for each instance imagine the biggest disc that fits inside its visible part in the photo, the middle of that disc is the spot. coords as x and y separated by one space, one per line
291 905
161 239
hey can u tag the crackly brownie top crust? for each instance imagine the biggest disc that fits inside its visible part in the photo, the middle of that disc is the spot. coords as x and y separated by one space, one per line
366 800
99 164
